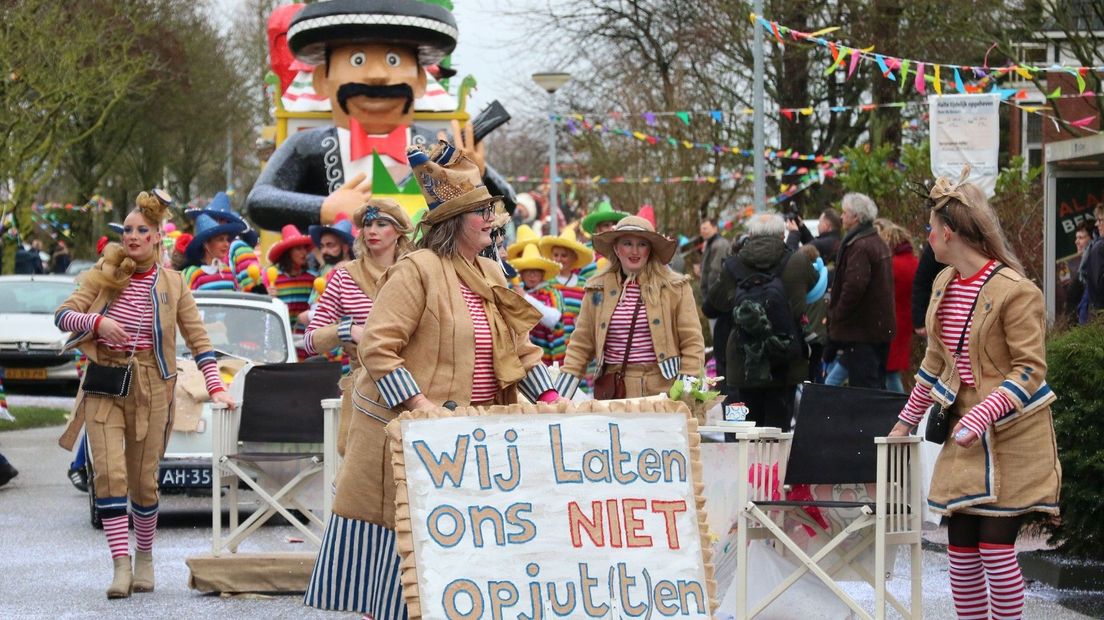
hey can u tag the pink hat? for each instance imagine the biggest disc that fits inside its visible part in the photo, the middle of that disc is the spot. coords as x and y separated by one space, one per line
647 212
291 238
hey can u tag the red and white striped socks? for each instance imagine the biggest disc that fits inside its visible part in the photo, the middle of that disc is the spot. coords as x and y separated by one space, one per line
144 529
117 530
971 597
1006 585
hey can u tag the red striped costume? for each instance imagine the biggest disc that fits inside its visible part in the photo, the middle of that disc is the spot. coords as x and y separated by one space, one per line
133 310
484 384
954 316
617 336
341 299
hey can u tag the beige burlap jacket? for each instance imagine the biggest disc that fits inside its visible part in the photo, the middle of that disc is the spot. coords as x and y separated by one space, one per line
672 322
1014 468
174 307
419 337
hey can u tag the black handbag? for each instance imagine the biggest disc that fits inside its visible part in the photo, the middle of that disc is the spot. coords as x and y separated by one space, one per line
113 381
939 423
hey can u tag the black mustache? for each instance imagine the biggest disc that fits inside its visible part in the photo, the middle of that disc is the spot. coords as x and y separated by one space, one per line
382 91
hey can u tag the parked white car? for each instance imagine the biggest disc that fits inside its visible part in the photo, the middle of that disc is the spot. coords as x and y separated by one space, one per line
243 328
30 344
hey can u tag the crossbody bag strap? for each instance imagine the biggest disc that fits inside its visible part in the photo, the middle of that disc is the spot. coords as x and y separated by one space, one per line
632 330
970 315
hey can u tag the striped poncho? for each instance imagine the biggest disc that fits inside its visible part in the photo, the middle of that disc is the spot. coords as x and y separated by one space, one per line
294 291
544 337
214 277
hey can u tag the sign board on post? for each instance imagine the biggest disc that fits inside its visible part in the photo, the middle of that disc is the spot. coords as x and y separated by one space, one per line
593 513
1074 199
965 129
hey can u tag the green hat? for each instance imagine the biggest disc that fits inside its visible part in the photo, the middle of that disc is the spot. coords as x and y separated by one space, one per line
602 213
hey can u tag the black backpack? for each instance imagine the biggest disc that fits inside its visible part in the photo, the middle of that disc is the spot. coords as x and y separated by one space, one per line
764 327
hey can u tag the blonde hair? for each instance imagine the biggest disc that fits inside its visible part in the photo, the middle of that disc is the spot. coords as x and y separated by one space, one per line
151 208
403 245
891 233
113 271
975 222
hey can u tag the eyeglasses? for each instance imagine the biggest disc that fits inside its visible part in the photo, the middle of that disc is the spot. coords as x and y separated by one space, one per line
927 227
487 213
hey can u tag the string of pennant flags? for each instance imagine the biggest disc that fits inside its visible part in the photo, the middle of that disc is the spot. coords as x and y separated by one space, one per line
96 203
808 179
718 116
577 124
897 69
825 171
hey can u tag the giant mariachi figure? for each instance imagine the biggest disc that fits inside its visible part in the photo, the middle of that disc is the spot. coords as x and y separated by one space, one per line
371 57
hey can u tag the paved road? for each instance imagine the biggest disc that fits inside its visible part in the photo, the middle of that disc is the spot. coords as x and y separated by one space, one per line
54 565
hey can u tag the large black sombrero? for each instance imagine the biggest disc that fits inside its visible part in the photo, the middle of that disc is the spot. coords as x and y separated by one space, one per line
428 27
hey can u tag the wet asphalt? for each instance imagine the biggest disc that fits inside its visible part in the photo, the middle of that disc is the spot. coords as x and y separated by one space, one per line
53 564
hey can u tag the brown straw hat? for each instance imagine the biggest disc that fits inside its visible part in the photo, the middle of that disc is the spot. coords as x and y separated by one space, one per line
662 247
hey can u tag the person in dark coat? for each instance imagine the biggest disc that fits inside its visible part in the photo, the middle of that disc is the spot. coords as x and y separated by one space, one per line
770 402
1093 265
861 317
928 268
715 249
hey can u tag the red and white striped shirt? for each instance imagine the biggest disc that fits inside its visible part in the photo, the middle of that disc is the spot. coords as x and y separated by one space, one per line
133 311
954 316
341 298
617 336
484 383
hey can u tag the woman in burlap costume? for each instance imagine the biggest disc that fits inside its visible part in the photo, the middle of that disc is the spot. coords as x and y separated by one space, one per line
338 321
667 340
1000 460
445 326
126 312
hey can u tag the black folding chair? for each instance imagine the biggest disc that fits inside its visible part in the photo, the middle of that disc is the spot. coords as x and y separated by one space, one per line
281 405
839 438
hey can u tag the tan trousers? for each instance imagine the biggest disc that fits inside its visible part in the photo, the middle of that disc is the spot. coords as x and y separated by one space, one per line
128 435
642 380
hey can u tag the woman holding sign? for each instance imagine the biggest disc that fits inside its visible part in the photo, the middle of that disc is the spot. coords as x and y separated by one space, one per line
984 369
638 318
444 326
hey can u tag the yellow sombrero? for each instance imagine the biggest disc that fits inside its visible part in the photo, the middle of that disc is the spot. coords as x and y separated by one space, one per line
531 259
567 240
525 236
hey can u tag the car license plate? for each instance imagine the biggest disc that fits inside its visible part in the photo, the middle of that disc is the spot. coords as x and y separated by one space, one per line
185 477
25 374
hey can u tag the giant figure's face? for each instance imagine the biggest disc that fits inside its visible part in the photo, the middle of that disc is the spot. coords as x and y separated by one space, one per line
374 83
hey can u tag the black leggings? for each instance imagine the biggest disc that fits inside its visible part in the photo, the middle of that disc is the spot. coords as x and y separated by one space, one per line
966 530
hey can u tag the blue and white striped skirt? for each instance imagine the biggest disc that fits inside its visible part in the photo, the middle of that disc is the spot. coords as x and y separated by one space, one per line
357 570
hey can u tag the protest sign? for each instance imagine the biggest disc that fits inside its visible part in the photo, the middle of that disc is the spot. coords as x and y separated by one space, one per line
594 512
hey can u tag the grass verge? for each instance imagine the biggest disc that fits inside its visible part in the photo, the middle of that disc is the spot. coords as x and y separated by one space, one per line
33 417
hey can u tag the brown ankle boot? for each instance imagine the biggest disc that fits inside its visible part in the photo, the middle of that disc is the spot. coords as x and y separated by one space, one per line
143 571
122 583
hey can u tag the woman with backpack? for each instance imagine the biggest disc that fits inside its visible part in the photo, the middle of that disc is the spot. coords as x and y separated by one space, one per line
638 319
764 288
984 369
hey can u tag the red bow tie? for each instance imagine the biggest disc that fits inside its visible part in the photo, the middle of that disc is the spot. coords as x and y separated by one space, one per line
361 144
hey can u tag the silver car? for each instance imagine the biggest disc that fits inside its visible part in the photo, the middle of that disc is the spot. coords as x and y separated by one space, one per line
30 344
